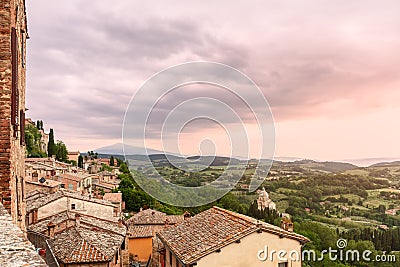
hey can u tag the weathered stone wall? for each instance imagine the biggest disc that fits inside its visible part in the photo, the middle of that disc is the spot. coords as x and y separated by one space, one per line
15 248
12 150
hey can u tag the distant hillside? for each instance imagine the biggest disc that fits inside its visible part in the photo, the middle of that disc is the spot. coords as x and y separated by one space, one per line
216 161
118 149
386 164
328 166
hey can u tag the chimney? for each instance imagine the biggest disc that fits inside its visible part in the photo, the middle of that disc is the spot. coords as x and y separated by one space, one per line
287 224
186 215
35 177
50 229
35 215
77 219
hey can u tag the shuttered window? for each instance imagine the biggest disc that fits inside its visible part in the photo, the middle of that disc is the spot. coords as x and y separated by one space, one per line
14 93
22 123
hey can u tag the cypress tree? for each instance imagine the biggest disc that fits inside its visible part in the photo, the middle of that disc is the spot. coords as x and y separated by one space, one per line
112 161
51 146
80 161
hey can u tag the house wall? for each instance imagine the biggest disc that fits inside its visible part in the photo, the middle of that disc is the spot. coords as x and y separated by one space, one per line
245 253
52 208
82 206
12 149
142 247
29 187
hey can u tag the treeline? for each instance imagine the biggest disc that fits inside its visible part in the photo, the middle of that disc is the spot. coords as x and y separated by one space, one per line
135 198
267 215
385 240
34 143
323 237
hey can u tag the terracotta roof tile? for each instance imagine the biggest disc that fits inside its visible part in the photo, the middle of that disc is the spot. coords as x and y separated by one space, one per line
113 197
212 229
140 231
86 244
149 216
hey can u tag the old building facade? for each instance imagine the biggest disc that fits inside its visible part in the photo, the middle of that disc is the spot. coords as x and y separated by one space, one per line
13 35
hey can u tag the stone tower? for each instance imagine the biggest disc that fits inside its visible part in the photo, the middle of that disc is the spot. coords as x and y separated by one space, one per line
13 35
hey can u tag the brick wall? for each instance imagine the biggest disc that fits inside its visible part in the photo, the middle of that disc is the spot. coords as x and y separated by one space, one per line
12 107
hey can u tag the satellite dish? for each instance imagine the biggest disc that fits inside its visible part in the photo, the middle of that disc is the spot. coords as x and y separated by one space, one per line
42 180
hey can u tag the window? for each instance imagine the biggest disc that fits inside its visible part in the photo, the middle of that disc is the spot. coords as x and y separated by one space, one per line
72 206
23 35
14 92
71 187
62 185
22 124
283 264
170 258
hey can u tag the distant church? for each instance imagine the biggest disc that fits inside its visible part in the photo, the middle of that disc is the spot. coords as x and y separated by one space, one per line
264 201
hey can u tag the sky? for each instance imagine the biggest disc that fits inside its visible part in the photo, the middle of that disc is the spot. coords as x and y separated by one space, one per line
329 70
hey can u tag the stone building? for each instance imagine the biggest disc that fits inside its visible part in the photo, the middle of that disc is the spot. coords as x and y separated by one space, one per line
13 35
218 237
77 239
42 205
74 155
264 202
142 229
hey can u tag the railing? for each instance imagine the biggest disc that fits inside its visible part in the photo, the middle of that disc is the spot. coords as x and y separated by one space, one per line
42 241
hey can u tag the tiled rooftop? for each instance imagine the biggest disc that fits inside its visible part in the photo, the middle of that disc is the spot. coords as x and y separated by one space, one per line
81 244
35 199
212 229
15 249
92 240
73 177
86 220
140 231
113 197
149 216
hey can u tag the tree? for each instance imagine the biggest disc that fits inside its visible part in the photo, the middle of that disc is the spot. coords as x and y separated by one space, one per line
61 151
80 161
51 146
32 141
112 161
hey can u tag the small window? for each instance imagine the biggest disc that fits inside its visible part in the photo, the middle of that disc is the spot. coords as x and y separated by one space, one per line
72 206
71 187
283 264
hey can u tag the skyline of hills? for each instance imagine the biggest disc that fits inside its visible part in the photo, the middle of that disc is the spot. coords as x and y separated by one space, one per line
118 149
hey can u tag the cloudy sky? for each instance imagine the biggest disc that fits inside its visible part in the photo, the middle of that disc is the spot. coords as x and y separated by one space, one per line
329 69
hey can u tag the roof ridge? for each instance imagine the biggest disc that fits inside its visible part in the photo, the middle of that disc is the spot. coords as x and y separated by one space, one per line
237 215
261 224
